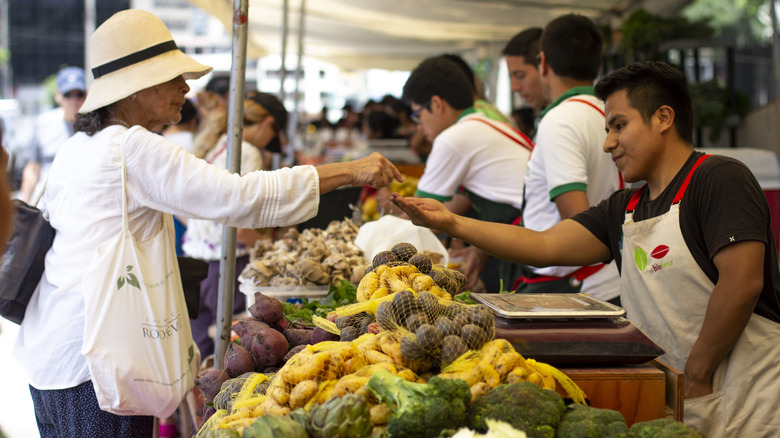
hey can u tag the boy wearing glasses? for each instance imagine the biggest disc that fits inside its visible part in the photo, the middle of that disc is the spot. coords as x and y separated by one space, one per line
482 158
51 129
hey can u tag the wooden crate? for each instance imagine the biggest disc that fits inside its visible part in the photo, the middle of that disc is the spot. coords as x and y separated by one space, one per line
636 391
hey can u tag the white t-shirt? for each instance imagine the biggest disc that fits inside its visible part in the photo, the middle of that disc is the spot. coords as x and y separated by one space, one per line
203 238
83 202
486 157
569 156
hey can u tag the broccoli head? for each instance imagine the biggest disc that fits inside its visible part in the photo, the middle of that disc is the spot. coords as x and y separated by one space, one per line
421 410
524 405
663 428
587 422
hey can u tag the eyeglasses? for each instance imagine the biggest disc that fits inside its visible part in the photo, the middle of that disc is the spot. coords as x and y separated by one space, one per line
415 116
74 94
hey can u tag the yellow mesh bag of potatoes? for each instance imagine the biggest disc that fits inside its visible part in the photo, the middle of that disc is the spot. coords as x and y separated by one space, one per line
497 362
239 401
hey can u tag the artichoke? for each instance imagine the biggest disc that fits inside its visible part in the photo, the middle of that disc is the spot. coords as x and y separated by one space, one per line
274 426
221 433
341 417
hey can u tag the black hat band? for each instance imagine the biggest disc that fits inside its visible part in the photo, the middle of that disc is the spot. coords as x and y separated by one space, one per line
134 58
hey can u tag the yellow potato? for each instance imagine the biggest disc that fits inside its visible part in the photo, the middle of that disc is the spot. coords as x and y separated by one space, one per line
302 393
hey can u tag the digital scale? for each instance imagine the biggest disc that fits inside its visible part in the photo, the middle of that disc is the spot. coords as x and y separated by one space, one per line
568 329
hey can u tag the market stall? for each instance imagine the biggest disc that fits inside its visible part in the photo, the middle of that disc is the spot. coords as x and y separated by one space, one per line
324 350
333 366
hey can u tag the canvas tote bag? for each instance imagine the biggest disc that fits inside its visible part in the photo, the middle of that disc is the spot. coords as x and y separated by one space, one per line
137 338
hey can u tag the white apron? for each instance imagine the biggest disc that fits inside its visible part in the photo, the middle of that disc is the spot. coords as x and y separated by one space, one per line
665 294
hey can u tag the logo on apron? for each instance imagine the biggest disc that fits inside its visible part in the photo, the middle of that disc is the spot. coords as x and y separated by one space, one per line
658 253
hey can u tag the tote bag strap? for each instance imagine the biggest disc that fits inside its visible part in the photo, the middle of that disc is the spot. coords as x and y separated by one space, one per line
125 222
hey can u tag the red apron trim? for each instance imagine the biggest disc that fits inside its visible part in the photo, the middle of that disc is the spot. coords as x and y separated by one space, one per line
528 144
587 103
621 184
685 183
631 206
580 275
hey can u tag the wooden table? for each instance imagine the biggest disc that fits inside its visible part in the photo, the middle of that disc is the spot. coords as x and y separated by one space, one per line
639 392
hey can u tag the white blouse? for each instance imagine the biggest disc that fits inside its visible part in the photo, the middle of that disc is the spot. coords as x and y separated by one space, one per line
83 202
203 238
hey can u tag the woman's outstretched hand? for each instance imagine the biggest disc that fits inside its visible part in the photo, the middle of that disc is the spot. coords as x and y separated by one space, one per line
375 171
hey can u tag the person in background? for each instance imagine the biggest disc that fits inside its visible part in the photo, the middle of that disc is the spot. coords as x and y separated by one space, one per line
213 98
322 122
203 238
483 158
568 172
480 104
694 246
351 118
83 202
183 133
520 54
379 124
51 129
525 120
6 209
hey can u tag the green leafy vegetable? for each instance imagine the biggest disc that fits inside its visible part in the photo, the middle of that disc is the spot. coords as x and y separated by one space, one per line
338 295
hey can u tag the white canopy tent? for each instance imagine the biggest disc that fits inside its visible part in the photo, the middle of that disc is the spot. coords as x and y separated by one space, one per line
398 34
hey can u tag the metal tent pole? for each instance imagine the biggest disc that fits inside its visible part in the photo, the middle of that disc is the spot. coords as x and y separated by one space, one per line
89 29
227 266
285 30
293 122
775 45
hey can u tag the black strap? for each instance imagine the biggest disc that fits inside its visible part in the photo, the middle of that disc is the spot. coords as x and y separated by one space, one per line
133 58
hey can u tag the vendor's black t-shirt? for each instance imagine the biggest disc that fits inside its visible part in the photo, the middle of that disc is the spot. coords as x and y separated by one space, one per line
723 204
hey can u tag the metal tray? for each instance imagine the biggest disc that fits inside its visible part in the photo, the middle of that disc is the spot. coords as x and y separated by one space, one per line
548 306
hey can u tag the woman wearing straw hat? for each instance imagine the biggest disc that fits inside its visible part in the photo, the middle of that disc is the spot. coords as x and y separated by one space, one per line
139 81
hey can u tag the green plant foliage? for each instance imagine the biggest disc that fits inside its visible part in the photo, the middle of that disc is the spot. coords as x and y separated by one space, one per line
644 32
712 107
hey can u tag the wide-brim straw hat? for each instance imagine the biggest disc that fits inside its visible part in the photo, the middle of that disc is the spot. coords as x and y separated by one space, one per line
132 51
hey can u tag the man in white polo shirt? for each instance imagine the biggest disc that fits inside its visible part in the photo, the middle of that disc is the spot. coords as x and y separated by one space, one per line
471 154
568 171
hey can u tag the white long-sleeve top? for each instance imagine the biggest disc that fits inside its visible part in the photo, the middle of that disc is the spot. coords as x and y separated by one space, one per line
83 202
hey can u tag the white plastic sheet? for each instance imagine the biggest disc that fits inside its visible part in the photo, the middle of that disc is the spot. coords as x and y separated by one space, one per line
382 234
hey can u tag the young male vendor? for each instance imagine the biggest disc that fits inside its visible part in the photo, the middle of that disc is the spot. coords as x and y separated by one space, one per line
699 269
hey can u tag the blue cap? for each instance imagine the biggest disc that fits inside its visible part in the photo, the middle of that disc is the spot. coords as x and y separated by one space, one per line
71 78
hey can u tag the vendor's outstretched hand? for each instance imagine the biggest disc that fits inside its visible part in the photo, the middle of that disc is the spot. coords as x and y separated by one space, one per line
375 171
426 212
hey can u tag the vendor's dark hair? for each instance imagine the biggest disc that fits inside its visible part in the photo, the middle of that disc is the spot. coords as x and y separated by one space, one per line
464 67
439 76
525 44
188 112
650 85
91 122
572 47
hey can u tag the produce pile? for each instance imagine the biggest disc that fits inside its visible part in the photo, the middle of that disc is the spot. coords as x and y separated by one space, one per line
311 257
406 359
